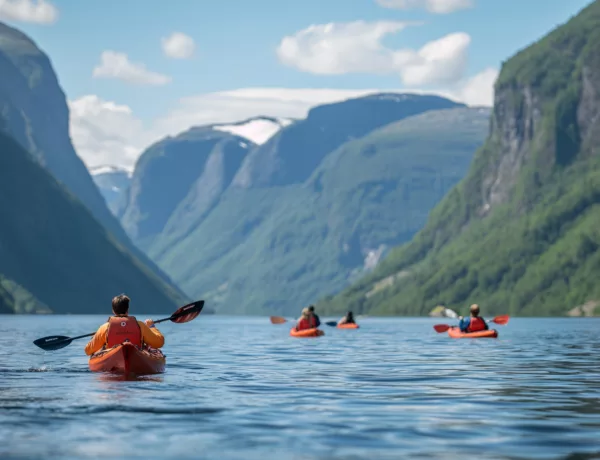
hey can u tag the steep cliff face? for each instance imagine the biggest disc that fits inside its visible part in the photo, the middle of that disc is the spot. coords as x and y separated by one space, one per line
36 115
171 179
34 112
219 170
517 233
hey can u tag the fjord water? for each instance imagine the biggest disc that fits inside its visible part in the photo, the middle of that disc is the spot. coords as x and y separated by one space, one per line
242 388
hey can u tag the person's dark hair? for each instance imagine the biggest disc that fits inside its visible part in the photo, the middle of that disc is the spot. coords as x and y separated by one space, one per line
311 308
120 304
349 314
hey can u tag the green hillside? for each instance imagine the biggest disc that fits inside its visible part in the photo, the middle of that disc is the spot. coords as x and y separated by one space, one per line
34 112
271 249
55 256
520 233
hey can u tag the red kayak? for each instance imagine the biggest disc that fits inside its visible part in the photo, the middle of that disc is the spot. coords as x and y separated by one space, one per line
455 333
128 359
313 332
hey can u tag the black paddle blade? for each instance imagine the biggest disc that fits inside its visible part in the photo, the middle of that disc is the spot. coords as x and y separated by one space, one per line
331 323
53 342
187 312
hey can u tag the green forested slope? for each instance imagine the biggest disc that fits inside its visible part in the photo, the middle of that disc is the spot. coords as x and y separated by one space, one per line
520 233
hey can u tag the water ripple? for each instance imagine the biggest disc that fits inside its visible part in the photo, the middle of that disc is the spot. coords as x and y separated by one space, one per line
242 388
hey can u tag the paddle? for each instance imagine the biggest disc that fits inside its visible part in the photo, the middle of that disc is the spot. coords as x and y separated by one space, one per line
502 320
278 320
182 315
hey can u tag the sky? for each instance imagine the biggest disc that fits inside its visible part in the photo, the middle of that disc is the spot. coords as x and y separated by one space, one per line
135 71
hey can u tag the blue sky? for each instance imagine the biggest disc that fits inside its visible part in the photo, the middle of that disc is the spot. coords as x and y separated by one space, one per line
236 47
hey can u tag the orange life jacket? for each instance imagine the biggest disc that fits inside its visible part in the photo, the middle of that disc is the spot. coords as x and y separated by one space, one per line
123 329
306 323
477 324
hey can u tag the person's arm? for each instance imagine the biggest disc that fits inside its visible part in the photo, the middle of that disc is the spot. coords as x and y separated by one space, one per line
464 324
317 321
151 335
98 341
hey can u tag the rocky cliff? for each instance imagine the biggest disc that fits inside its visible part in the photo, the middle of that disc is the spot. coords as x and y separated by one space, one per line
518 232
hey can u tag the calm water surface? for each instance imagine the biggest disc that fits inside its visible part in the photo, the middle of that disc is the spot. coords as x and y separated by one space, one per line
241 388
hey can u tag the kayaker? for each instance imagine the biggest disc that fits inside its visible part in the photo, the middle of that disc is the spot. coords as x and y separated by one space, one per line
474 323
306 321
348 319
311 309
121 328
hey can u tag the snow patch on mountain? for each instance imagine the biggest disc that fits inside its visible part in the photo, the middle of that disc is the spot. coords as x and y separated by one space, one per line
258 130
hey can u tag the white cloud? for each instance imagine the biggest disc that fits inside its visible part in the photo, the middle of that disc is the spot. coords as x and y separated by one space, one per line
338 48
36 11
356 47
439 61
107 133
433 6
178 46
117 65
479 89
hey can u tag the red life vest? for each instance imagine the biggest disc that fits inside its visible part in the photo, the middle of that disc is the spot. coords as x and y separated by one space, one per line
306 323
477 324
123 329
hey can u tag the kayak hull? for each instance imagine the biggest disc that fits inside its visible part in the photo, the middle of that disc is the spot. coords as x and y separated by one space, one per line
127 359
348 326
455 333
305 333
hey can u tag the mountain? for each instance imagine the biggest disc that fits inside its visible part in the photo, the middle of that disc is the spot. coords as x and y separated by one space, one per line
304 228
33 111
54 255
113 182
288 157
520 233
293 153
179 178
273 250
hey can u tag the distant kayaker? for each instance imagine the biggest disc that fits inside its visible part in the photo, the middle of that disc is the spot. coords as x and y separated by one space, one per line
474 323
121 328
306 321
348 319
311 309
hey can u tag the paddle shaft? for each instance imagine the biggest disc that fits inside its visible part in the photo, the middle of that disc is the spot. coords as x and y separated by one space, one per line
55 342
70 339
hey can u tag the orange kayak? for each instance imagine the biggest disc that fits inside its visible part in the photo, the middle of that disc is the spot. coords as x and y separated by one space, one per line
455 333
348 326
314 332
128 359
